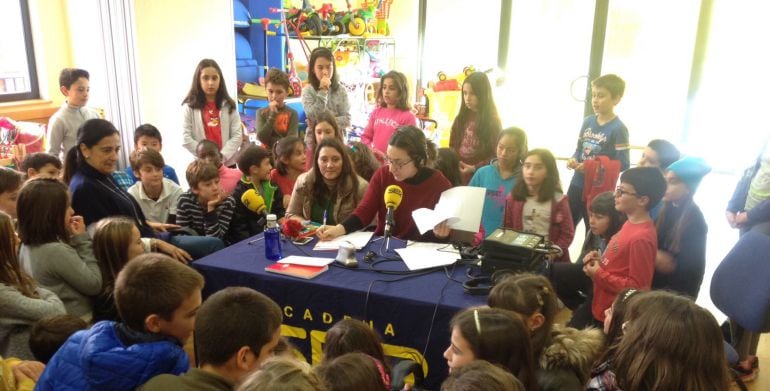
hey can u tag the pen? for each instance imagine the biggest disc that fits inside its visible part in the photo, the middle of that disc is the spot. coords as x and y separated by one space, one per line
326 213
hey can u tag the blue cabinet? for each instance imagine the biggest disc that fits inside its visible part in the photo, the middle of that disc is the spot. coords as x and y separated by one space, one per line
251 52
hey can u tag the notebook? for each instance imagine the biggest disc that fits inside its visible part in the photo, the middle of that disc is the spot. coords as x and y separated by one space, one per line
301 271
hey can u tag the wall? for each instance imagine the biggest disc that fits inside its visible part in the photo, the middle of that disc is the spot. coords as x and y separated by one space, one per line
172 36
53 51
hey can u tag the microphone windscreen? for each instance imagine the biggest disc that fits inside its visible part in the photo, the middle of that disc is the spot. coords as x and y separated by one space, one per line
253 201
393 195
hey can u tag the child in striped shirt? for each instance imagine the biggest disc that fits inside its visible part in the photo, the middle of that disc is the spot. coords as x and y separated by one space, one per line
205 208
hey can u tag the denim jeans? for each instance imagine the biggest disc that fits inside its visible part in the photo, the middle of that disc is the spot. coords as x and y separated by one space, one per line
197 246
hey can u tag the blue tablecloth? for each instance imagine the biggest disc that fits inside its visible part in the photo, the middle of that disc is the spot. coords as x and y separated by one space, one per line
412 313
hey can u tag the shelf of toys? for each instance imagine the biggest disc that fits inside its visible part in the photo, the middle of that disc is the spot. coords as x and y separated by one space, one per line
357 37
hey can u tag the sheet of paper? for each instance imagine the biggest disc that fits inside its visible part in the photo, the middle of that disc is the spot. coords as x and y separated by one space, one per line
306 261
461 206
359 239
422 255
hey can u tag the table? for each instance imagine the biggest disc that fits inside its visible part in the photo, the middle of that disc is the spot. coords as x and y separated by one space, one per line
411 313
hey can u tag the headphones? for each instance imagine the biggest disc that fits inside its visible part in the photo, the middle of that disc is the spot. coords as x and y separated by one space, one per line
481 285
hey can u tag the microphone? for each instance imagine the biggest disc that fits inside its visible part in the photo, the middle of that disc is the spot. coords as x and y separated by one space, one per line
253 201
393 196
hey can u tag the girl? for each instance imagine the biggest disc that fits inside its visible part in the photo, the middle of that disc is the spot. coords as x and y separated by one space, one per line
324 92
289 157
325 126
681 259
603 377
481 375
565 354
448 163
749 209
494 335
499 176
56 249
24 303
670 343
354 372
538 205
750 204
330 190
407 156
210 113
116 241
285 374
393 111
352 335
365 161
571 283
475 128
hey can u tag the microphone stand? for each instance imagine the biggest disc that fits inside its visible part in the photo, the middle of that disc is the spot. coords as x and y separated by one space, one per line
386 243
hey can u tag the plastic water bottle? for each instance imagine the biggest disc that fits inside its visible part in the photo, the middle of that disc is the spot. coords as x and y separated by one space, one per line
273 239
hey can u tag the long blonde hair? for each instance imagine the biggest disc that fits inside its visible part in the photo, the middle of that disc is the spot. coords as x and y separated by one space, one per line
10 271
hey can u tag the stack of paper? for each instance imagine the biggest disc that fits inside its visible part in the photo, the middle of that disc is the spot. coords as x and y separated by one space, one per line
423 255
459 206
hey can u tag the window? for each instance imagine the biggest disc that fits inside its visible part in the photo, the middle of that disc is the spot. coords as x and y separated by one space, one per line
18 80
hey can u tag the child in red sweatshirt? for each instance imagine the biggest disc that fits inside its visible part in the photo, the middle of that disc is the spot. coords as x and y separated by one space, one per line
629 260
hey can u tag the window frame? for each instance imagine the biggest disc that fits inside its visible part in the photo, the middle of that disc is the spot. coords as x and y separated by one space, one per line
34 92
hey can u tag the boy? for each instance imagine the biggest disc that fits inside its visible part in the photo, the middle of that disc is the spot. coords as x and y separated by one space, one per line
10 184
249 220
63 125
208 151
629 260
601 134
157 196
40 164
157 298
49 334
148 137
277 120
205 208
236 330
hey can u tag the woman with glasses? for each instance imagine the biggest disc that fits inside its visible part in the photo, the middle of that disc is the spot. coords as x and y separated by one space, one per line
407 156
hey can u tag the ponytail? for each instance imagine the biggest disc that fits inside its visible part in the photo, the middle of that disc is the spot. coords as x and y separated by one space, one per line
431 152
71 161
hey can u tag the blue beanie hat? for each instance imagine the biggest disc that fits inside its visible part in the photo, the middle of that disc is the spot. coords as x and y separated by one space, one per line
690 170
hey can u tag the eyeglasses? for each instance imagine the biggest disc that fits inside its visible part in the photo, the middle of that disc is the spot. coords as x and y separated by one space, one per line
619 192
397 164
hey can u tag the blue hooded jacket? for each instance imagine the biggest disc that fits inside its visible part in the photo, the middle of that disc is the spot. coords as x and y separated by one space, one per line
99 359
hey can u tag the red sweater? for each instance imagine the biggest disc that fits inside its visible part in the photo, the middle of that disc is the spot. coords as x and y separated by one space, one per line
421 191
628 262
